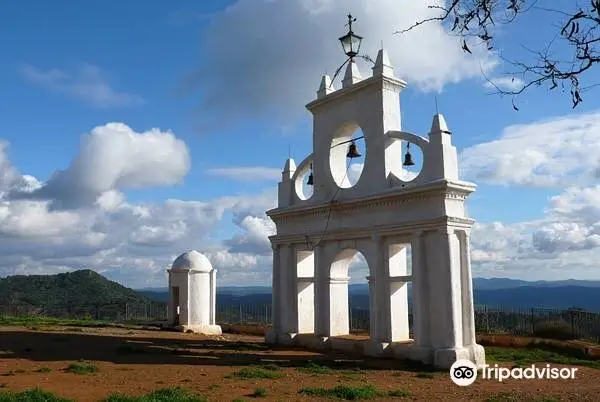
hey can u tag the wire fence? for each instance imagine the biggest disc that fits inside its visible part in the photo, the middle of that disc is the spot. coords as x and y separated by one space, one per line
531 321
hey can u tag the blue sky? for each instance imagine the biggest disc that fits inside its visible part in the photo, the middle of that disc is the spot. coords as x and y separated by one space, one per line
182 67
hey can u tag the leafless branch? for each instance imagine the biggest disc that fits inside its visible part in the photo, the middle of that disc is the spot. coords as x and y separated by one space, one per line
578 32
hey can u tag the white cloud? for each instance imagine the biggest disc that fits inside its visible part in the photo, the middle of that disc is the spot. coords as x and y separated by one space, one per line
249 173
505 83
135 242
87 83
114 157
264 55
558 152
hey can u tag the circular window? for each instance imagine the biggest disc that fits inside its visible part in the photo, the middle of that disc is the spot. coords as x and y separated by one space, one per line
347 156
303 184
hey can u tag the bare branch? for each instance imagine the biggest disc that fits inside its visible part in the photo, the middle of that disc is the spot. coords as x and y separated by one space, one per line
578 33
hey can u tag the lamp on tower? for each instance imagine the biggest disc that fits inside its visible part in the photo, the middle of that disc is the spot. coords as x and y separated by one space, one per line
351 42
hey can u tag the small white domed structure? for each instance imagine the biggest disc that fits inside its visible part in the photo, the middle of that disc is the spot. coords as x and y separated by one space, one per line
192 294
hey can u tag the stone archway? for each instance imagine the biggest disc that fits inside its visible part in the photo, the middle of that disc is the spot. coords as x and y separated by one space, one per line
339 293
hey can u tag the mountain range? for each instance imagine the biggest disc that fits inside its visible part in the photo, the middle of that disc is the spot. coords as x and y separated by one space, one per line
494 292
85 292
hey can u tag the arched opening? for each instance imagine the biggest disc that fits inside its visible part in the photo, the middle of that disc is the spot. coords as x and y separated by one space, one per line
349 296
347 171
305 267
400 268
304 189
412 162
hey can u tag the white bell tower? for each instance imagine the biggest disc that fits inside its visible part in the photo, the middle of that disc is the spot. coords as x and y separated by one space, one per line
382 216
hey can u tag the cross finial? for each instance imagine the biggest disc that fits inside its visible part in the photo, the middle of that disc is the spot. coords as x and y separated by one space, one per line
350 21
436 105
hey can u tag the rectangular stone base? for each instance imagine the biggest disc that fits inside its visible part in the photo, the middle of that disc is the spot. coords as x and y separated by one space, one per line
440 358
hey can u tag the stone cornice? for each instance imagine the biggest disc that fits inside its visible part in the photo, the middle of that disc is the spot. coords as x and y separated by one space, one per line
406 228
392 197
388 83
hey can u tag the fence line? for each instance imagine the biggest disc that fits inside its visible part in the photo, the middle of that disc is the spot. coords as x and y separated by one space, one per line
543 322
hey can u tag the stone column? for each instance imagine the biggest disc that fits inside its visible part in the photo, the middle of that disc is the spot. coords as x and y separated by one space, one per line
288 296
420 301
468 308
213 297
443 266
373 323
274 333
322 312
380 294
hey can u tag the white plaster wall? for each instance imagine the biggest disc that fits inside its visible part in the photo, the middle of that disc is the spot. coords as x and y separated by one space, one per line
200 298
399 312
339 318
306 307
180 279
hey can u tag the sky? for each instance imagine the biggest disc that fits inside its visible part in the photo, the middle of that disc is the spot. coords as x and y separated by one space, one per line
135 131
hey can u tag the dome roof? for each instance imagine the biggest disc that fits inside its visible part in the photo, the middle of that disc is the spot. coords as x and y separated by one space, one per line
192 261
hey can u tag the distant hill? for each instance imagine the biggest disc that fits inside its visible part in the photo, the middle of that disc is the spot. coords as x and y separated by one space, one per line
82 292
499 292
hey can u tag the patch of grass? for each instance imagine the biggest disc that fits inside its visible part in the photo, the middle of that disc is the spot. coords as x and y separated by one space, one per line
238 400
349 393
81 368
259 393
213 387
399 393
43 370
161 395
31 395
255 372
424 375
314 368
530 355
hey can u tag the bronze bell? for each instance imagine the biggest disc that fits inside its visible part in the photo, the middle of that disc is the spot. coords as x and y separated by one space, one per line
353 151
310 179
408 160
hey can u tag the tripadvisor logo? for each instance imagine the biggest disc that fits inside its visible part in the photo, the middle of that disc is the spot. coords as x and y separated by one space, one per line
464 372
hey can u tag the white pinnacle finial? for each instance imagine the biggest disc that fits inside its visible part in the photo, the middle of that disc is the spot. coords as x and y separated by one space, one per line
439 124
383 66
326 86
290 166
352 75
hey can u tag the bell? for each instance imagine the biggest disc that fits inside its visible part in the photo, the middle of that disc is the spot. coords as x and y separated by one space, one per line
353 151
408 160
309 182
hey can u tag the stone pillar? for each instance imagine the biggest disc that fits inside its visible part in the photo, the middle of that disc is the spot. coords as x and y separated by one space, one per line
273 334
288 296
444 289
373 323
420 301
468 311
322 312
449 289
380 294
213 297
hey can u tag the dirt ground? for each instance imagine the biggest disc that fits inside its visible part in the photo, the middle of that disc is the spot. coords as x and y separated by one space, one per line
135 362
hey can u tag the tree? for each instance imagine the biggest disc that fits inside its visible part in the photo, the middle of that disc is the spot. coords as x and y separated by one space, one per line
578 34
